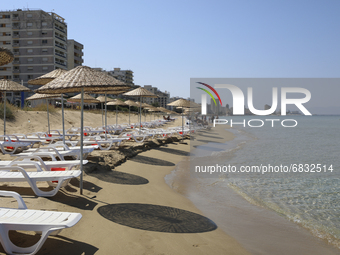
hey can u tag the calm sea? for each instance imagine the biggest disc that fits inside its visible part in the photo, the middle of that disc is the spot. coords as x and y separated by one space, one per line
310 198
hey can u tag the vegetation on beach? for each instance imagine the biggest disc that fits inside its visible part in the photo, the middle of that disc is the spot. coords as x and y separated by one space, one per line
10 109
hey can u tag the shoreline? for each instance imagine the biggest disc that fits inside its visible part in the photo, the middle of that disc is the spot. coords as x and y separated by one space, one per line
258 229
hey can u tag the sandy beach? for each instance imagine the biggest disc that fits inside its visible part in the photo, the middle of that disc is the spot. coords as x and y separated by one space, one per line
130 210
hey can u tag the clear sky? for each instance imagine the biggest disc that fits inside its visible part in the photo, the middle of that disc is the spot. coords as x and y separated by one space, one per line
165 43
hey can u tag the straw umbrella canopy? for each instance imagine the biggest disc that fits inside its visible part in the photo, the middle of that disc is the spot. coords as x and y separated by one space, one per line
7 85
102 100
140 92
116 102
82 78
46 78
6 56
130 103
181 103
44 96
87 99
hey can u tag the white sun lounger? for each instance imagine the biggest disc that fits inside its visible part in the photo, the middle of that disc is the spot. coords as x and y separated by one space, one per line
46 222
9 147
61 154
16 173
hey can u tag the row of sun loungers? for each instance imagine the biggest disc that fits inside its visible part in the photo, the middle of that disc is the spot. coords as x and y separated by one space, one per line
29 167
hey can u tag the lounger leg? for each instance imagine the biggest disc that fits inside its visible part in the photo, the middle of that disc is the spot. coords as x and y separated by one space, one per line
11 248
51 193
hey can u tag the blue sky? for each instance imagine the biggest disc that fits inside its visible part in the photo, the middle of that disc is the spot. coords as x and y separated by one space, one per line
165 43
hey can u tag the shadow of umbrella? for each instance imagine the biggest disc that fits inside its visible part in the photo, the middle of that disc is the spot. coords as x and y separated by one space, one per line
151 161
174 151
157 218
120 178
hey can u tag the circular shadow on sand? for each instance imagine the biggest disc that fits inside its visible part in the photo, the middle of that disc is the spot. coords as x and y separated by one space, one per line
173 151
119 177
157 218
151 161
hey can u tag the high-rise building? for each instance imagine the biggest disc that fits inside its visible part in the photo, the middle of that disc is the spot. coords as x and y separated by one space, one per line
38 40
122 75
163 97
74 54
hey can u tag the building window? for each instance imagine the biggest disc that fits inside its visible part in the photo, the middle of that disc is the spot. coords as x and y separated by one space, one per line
44 50
44 41
29 24
45 59
44 68
30 68
29 42
30 59
29 33
44 33
30 76
29 15
44 24
29 50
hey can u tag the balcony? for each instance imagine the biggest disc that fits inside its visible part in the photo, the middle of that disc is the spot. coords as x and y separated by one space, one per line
60 38
61 55
59 63
60 29
62 47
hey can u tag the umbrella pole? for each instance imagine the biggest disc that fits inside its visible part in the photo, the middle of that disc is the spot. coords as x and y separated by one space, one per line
102 114
81 141
140 115
4 95
62 114
116 115
105 119
129 115
182 127
48 116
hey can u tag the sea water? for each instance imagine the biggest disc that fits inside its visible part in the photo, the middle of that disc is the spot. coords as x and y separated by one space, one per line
308 198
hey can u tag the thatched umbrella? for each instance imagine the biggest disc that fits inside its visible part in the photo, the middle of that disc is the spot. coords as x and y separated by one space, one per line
181 103
116 102
6 56
82 78
7 85
86 98
46 78
103 99
44 96
140 92
130 103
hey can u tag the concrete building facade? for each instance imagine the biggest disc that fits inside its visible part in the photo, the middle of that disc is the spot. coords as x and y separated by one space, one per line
38 40
163 98
74 54
125 76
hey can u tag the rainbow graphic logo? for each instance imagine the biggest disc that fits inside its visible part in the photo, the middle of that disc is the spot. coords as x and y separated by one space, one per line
204 98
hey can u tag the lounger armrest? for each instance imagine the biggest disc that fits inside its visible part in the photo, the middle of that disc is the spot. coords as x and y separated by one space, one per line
21 203
27 159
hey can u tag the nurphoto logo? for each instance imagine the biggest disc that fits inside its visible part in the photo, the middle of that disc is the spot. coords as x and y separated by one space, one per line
238 106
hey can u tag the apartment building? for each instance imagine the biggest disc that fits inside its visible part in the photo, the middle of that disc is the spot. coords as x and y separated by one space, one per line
163 97
38 40
125 76
74 54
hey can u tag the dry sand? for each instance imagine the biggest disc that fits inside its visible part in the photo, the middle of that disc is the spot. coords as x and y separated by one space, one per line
130 210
